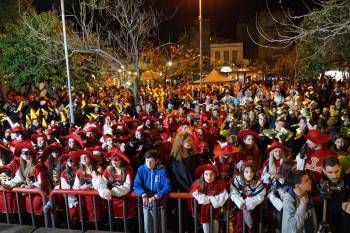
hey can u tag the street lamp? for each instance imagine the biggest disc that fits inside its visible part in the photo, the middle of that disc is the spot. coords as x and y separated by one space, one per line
200 48
71 114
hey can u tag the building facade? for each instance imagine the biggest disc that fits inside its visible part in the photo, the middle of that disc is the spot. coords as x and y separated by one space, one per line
226 54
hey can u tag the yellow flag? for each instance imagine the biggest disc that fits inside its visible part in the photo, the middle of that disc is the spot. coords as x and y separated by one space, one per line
33 114
94 115
66 109
63 117
20 106
43 123
45 113
89 117
38 112
28 121
119 108
83 104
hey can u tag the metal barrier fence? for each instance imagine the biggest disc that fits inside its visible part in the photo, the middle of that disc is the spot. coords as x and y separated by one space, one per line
157 207
30 192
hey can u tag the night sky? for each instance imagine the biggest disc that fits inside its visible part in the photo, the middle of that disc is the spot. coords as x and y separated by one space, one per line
223 14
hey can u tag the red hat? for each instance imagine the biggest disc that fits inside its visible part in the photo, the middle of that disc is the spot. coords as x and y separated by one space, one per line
35 137
91 128
38 131
96 150
53 128
148 117
142 116
12 143
110 115
126 118
246 132
76 137
275 145
317 137
88 154
18 129
225 150
116 152
49 131
25 144
106 136
51 147
205 167
73 155
131 122
122 125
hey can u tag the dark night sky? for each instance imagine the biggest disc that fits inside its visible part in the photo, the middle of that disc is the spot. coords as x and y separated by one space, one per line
222 13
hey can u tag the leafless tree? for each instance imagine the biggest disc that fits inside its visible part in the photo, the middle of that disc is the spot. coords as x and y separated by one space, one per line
329 19
135 24
117 30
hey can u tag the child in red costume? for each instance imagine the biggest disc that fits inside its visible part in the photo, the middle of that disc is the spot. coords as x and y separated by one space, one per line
118 177
207 191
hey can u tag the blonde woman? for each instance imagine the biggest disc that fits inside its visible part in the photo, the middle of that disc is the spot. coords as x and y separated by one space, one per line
185 161
271 167
28 174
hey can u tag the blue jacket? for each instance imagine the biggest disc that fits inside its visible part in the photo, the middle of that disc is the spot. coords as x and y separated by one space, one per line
155 182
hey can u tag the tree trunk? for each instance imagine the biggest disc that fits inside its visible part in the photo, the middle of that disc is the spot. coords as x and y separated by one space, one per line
135 89
136 83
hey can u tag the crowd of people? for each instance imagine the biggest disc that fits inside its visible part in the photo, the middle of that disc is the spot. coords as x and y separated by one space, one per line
283 148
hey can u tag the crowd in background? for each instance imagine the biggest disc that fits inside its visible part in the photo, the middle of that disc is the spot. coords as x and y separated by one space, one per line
284 146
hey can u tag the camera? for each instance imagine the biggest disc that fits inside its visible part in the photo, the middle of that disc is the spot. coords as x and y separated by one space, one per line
326 188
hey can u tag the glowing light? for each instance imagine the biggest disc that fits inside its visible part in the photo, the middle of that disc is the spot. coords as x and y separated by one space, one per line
336 74
226 69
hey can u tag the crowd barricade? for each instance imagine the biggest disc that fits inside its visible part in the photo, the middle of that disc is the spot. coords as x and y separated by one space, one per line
162 208
20 191
64 193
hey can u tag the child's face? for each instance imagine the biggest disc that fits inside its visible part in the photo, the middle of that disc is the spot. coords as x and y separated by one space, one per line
71 143
339 143
209 176
248 174
150 163
249 140
41 141
84 159
116 162
277 153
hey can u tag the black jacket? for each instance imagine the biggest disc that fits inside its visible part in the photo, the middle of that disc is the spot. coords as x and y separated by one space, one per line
339 220
183 172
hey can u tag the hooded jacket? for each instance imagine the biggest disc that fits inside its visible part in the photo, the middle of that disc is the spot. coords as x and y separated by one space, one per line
152 181
297 217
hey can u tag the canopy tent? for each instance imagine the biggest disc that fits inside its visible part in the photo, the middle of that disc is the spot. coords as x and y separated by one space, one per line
214 77
149 75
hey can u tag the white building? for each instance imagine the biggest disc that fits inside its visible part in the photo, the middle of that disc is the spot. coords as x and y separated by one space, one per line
226 54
